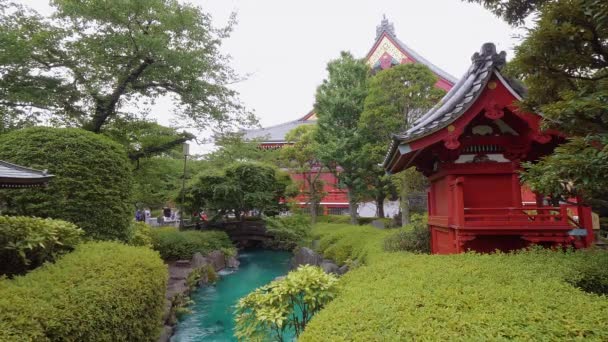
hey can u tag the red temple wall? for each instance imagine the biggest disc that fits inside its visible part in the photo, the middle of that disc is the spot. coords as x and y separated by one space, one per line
334 196
440 203
488 191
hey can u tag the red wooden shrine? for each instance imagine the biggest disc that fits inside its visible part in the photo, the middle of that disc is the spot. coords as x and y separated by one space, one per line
471 146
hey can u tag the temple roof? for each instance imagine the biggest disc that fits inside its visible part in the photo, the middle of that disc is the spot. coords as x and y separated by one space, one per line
15 176
387 28
456 102
276 133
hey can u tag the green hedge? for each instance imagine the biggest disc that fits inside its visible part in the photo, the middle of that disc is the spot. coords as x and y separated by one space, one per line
28 242
399 296
103 291
173 244
92 183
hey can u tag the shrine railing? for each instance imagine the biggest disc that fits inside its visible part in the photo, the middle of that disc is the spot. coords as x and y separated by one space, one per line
518 216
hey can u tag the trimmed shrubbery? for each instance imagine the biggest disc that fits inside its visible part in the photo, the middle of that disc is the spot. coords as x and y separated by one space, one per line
103 291
398 296
92 183
28 242
288 231
173 244
415 237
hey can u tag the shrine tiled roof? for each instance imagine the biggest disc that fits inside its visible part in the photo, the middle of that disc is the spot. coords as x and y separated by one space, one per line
458 99
15 176
387 28
276 133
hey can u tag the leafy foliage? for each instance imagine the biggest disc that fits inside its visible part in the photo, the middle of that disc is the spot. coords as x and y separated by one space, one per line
141 235
415 237
593 275
339 104
92 183
103 291
284 305
288 231
513 11
240 188
302 158
397 97
404 296
27 242
94 61
173 244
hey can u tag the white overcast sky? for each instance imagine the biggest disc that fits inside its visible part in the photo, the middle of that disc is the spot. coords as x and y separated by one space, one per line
284 45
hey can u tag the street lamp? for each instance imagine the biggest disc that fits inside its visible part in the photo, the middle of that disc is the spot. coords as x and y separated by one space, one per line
186 150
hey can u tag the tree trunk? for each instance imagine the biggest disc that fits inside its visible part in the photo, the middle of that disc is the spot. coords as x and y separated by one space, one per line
352 206
313 211
380 205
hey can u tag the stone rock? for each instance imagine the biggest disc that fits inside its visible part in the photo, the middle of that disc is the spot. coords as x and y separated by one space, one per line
316 244
182 263
232 262
198 260
280 278
343 269
217 259
329 266
166 333
378 224
305 256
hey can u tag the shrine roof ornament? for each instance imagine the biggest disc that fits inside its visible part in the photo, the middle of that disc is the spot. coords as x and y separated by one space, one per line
385 26
15 176
456 102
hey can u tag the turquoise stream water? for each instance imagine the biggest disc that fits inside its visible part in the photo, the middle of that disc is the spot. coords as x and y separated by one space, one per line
212 316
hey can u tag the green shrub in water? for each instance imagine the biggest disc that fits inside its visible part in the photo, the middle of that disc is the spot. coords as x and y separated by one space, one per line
28 242
173 244
284 305
102 291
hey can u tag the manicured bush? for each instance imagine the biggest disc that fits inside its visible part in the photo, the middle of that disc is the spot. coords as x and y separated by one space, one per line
92 184
415 237
344 242
141 235
103 291
28 242
288 231
173 244
592 276
399 296
344 219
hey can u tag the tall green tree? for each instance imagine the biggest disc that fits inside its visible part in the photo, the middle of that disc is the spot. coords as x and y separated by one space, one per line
564 62
339 104
397 97
233 147
240 188
95 61
301 157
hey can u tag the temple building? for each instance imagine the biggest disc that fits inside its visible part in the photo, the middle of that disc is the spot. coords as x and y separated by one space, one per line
387 51
471 146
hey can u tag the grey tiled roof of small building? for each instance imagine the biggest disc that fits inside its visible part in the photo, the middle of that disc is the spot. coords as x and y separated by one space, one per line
274 133
12 175
458 99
